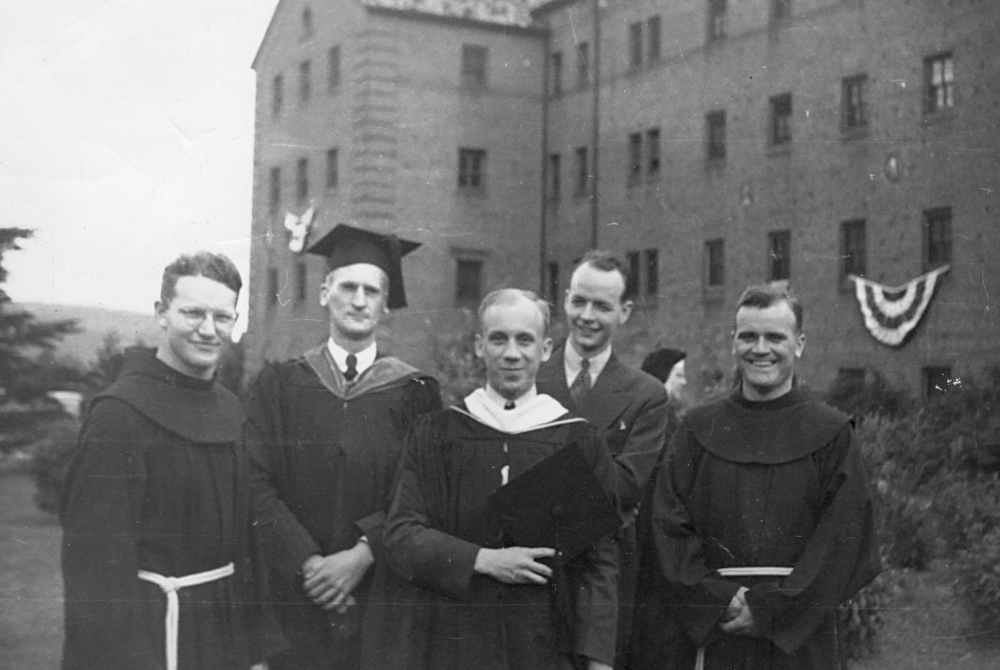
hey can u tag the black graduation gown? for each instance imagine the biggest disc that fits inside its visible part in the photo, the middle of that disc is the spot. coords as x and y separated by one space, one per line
439 614
325 454
770 484
159 482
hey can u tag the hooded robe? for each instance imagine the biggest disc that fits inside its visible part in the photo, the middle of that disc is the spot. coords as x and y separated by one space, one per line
159 482
759 484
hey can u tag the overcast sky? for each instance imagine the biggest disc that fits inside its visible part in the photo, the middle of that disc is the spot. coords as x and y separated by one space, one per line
126 138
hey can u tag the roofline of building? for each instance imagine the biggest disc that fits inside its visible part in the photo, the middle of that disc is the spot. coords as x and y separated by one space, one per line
551 6
416 15
267 33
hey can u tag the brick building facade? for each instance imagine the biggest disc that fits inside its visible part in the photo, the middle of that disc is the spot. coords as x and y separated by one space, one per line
739 142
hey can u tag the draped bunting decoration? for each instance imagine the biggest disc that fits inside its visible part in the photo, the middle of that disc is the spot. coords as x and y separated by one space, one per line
299 227
891 313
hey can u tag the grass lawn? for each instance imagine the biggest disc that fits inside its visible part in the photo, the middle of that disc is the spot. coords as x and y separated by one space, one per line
927 627
30 581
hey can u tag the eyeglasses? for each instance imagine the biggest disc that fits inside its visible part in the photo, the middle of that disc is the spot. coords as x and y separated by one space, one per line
195 316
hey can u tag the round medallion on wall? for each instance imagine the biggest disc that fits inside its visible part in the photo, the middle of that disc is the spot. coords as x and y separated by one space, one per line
746 194
893 168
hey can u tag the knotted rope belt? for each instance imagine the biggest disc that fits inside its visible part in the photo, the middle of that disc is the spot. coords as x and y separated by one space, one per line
699 663
170 586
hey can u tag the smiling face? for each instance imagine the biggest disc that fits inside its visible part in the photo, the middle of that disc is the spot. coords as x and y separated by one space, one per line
766 344
197 324
512 344
354 296
595 309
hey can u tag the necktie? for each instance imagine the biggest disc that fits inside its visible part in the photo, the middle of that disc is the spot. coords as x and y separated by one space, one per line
352 368
581 385
509 405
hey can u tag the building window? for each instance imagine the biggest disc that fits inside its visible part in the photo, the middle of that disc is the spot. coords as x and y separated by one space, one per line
554 283
275 195
715 262
653 152
557 73
853 93
635 44
716 20
635 158
939 74
632 268
582 65
333 67
781 10
555 178
471 169
853 252
937 380
301 279
272 287
332 168
780 245
582 171
715 131
305 81
473 66
302 181
937 237
781 119
307 24
277 95
652 258
468 282
653 38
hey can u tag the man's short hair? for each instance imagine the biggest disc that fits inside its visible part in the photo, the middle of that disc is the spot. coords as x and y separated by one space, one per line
216 267
605 261
510 296
383 274
763 296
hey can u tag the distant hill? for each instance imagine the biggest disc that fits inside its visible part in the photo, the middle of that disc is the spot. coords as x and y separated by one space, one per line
95 323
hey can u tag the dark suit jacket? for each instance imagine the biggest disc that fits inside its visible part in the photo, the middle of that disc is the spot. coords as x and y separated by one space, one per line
628 407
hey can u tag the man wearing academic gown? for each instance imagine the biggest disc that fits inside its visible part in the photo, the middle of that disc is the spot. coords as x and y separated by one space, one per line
325 432
466 600
762 516
629 407
157 497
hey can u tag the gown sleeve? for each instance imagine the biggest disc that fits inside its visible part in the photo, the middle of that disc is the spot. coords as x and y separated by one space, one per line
417 550
100 511
288 543
840 557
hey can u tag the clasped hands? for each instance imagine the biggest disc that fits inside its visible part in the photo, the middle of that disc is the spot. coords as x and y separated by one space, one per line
739 618
329 580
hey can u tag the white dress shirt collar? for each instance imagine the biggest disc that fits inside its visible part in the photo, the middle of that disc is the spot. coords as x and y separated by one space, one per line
572 361
366 357
518 402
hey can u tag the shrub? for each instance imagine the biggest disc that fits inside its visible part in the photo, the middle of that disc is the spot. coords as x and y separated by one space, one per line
50 459
457 368
861 617
870 394
979 580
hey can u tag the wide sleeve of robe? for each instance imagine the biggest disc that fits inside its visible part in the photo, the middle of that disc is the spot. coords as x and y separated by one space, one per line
100 513
840 556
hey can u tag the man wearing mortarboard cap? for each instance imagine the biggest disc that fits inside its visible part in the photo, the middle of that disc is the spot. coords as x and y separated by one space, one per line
325 432
473 592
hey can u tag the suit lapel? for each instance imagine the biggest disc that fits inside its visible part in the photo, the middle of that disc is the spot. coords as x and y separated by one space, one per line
609 398
552 380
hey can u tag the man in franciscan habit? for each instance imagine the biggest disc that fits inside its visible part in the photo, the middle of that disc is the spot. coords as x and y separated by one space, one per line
471 594
159 562
325 432
762 516
629 407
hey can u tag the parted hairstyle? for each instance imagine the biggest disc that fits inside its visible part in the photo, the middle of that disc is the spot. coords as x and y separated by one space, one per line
216 267
605 261
763 296
509 296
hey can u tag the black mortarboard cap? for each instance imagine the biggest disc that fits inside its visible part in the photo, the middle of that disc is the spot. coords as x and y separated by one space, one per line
660 362
347 245
558 503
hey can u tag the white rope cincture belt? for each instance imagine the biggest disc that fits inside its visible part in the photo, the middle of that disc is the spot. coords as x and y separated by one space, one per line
170 586
699 663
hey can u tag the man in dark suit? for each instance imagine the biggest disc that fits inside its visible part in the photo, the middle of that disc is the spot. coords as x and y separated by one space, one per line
627 406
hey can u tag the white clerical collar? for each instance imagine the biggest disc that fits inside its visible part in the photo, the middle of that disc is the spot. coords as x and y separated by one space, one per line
366 357
572 360
518 402
528 414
